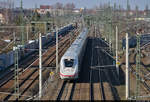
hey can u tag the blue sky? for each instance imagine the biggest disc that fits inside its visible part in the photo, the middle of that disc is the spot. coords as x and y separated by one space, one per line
82 3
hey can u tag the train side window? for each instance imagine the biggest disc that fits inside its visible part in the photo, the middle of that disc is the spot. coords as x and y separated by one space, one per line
69 62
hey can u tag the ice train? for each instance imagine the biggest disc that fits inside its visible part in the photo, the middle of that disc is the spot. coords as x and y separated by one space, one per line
70 63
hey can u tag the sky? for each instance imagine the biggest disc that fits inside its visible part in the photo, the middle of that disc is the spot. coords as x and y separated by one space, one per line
82 3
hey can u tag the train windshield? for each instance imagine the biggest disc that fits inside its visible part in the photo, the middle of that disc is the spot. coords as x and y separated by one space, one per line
69 62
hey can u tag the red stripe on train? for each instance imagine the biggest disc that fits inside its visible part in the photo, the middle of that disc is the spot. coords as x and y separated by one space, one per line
67 75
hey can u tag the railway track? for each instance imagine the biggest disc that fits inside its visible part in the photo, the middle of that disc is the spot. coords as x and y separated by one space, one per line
103 97
144 86
144 82
10 74
66 91
91 71
32 73
93 85
107 89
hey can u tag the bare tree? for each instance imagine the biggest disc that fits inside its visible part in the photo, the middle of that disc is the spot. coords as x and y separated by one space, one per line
58 5
115 6
136 10
146 7
147 10
70 6
128 6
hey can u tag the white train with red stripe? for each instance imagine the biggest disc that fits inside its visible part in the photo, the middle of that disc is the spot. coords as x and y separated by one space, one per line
70 62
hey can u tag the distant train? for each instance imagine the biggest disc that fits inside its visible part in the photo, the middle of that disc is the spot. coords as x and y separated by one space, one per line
7 59
70 62
62 31
144 39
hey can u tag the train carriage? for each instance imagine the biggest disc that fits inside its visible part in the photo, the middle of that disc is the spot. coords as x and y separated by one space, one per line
144 39
70 63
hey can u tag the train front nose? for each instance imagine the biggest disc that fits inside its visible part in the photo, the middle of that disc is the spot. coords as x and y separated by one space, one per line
69 69
69 73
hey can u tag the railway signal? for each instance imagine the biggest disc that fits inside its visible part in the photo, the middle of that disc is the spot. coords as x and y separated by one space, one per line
117 63
51 75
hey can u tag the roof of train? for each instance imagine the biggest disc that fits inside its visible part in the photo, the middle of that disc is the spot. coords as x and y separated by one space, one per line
74 49
63 27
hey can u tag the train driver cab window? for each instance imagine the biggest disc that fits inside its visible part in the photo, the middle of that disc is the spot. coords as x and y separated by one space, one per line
69 62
